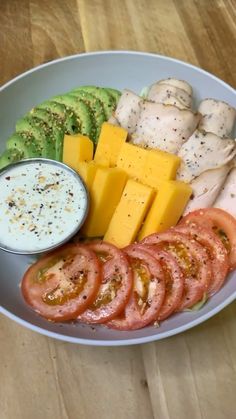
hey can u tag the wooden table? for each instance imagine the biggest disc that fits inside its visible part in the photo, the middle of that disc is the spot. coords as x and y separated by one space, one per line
192 375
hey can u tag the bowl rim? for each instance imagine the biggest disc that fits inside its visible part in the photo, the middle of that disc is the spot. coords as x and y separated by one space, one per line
114 52
126 341
120 342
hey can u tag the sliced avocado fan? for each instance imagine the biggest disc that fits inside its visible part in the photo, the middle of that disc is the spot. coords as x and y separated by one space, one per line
10 156
96 107
82 111
40 132
65 117
103 95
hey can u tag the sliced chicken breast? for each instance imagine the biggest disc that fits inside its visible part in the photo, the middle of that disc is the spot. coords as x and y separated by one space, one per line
206 187
112 120
165 127
217 117
169 95
226 200
181 84
128 110
204 151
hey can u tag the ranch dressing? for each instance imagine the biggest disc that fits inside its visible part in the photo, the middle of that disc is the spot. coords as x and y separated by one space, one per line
42 203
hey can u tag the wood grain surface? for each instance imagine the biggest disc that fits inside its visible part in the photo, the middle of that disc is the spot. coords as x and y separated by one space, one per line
189 376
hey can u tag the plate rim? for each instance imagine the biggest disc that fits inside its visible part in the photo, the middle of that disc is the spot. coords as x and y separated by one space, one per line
126 341
115 52
120 342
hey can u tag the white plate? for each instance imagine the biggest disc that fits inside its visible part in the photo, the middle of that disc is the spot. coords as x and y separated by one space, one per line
117 69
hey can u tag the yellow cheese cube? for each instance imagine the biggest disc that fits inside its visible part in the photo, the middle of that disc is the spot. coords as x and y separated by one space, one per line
129 214
87 171
148 166
110 141
167 207
159 166
103 161
77 148
132 160
105 194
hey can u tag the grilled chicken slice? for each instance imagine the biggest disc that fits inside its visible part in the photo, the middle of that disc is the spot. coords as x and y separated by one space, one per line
169 95
112 120
206 187
164 126
181 84
204 151
226 200
128 110
217 117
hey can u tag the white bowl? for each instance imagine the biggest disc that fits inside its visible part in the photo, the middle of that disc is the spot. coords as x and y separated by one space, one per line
118 69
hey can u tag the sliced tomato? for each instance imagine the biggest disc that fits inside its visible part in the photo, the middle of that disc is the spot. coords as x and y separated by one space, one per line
222 223
174 281
216 251
63 283
105 251
193 261
148 292
116 287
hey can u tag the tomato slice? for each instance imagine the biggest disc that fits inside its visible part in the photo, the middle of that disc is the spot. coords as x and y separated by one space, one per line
116 286
148 292
174 280
193 261
105 251
63 283
222 223
216 251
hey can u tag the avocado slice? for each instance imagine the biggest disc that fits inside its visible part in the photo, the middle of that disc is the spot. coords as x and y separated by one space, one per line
116 94
10 156
105 97
82 111
57 130
24 143
41 132
67 117
97 109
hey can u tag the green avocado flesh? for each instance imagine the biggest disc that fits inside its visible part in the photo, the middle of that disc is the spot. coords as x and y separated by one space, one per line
108 101
10 156
65 116
82 111
96 109
40 132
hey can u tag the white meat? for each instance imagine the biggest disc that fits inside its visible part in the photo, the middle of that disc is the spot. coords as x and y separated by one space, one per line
226 200
128 110
169 95
206 187
112 120
181 84
204 151
217 117
165 127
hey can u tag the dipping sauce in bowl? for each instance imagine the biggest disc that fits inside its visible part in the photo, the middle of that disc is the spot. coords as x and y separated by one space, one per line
43 203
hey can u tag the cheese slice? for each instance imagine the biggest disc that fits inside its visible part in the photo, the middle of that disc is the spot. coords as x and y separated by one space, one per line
148 166
132 160
167 208
105 194
87 171
77 148
129 214
159 166
110 141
